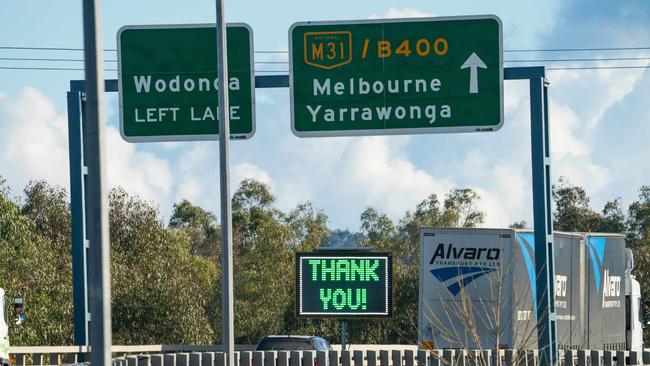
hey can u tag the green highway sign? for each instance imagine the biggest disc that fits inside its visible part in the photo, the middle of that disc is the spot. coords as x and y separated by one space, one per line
344 284
399 76
168 82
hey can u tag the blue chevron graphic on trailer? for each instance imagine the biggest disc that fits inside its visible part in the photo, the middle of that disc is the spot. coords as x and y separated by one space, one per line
596 252
526 243
460 276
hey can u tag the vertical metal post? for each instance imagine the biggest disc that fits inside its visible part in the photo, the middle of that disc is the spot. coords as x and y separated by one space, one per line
227 316
78 234
343 335
99 290
543 223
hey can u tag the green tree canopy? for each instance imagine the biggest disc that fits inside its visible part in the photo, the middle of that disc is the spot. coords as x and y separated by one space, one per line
200 225
156 278
574 213
638 219
166 285
35 266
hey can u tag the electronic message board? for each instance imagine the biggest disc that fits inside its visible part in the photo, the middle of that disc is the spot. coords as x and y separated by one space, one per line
344 284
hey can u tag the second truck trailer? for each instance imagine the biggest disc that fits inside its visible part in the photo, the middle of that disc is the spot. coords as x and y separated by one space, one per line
478 290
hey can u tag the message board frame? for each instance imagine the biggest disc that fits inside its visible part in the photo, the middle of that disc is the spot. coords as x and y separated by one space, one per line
467 126
346 254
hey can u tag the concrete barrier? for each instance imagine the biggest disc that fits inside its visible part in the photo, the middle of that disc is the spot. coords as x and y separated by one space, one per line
596 357
308 358
358 358
183 359
169 360
270 358
258 358
371 357
157 360
207 359
608 358
346 358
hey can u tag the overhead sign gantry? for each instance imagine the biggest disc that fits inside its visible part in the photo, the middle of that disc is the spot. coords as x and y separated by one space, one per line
394 76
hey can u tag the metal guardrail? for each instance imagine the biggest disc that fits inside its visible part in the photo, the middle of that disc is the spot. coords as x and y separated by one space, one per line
377 355
67 352
56 355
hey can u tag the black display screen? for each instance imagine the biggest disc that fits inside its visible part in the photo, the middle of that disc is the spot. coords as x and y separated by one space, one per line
344 284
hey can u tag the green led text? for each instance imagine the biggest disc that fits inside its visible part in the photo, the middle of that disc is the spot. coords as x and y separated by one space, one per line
344 269
341 299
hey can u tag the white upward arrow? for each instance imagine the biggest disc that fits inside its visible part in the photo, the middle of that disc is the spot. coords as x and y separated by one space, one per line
473 62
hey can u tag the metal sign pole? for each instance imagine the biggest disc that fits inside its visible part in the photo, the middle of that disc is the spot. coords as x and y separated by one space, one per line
78 235
542 217
227 314
543 223
99 285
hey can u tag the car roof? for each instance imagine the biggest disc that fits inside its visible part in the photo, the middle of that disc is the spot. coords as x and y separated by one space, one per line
290 337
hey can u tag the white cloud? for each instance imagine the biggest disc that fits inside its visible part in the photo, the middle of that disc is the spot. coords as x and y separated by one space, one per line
583 172
249 171
171 145
402 13
35 146
592 92
196 175
199 157
189 188
502 180
375 174
582 142
277 61
34 140
263 98
139 172
564 129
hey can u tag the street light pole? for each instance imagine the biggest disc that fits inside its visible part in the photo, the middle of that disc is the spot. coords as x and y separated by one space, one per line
99 284
227 315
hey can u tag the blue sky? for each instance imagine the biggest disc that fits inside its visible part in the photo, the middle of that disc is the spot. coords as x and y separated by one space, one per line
600 122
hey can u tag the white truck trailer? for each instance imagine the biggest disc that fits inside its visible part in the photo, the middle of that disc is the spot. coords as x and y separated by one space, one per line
478 290
19 310
4 329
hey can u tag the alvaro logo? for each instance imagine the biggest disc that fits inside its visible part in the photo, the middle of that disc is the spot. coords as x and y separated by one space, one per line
452 252
457 277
